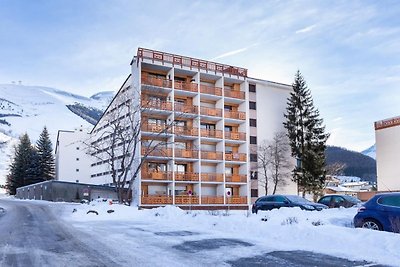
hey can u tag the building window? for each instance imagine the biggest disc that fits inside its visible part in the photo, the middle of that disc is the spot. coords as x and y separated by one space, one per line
253 140
254 175
253 157
252 88
254 192
252 105
253 122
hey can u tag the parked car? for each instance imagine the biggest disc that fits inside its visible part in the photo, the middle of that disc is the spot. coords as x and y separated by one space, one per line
381 212
282 201
336 201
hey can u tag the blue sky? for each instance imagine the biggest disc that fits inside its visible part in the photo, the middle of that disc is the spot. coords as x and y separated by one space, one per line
348 51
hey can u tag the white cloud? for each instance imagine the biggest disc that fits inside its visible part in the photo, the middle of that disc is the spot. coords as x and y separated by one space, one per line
306 29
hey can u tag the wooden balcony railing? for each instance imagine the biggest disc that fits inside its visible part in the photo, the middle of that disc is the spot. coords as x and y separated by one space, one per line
186 200
214 155
205 89
212 200
154 104
215 112
236 200
186 108
238 115
155 81
211 133
157 151
157 175
212 177
184 176
186 153
156 200
183 130
236 178
234 94
190 87
235 156
235 136
155 128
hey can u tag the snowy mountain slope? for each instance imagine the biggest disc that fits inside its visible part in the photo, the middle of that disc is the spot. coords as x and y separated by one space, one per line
30 108
371 151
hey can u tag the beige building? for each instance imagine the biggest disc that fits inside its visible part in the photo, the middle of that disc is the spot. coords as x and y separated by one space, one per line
387 138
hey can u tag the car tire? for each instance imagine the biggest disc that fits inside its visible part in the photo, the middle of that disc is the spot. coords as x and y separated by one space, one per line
371 224
255 211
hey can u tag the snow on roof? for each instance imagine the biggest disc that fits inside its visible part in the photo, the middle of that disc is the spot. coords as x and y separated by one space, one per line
340 189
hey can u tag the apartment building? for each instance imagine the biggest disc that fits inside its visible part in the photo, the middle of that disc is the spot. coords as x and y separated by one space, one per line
387 140
200 125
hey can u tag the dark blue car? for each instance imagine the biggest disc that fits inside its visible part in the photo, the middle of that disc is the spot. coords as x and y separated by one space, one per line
285 201
381 212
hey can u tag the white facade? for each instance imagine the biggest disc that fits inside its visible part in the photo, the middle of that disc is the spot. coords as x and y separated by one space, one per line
387 138
72 161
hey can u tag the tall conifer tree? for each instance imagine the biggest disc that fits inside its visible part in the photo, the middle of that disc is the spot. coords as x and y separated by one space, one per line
307 137
45 156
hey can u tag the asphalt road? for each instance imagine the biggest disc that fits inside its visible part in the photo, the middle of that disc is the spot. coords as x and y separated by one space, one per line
30 235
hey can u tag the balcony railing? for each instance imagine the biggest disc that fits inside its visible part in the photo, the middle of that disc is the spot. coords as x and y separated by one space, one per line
186 108
157 175
184 176
157 151
205 89
211 133
156 200
186 200
212 200
215 112
234 94
183 130
235 136
155 81
238 115
154 104
155 128
186 153
235 156
190 87
236 200
211 155
212 177
235 178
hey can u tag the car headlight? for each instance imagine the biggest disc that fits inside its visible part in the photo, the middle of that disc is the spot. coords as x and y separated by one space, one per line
309 207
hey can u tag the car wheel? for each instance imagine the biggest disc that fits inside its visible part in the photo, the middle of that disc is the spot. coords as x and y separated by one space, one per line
371 224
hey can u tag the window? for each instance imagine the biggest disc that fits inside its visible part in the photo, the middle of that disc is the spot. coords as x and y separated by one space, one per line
254 175
228 128
390 201
253 140
254 192
229 108
157 167
252 88
253 157
279 199
181 168
252 105
228 170
253 122
207 126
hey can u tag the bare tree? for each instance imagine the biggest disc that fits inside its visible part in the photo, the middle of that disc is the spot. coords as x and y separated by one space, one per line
274 161
335 169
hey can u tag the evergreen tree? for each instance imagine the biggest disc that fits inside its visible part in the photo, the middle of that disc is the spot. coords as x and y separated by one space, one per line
307 137
45 156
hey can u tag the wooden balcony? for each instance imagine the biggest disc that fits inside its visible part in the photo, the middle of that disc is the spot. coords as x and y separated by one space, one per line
190 87
184 176
235 178
155 81
156 200
212 177
236 200
234 94
213 155
211 133
157 151
186 200
238 115
235 156
153 104
212 200
205 89
235 136
156 128
215 112
186 153
186 108
183 130
157 175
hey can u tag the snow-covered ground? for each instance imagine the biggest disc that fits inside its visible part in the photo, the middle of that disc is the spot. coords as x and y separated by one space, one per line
329 232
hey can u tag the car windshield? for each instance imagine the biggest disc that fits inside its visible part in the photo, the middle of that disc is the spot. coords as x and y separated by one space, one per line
294 198
352 199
